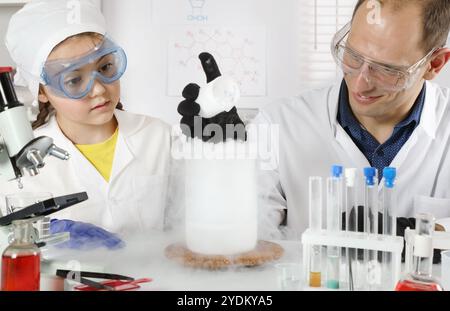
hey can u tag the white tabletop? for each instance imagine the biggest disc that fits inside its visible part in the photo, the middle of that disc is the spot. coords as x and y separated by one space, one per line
144 257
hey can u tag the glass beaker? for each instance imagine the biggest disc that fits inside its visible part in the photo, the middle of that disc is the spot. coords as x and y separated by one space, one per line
289 276
421 278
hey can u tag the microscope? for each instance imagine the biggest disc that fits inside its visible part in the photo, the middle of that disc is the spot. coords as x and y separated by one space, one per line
20 151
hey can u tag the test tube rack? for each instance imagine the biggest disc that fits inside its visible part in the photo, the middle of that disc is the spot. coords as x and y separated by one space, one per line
357 240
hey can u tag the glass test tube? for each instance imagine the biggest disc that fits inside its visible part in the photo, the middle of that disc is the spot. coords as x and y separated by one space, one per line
315 224
351 219
334 208
371 225
389 221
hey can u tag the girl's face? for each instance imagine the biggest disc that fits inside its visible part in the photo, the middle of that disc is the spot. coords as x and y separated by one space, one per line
97 108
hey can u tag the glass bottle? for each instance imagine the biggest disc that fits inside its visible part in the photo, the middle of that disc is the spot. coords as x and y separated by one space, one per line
21 260
421 279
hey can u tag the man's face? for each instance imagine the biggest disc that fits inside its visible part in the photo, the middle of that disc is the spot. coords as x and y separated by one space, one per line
395 41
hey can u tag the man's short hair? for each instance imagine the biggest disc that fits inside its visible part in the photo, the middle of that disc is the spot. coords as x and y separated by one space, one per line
435 19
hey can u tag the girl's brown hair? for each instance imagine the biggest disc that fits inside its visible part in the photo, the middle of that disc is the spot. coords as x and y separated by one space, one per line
46 109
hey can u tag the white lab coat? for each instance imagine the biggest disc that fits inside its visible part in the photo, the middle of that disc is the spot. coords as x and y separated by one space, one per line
311 141
133 200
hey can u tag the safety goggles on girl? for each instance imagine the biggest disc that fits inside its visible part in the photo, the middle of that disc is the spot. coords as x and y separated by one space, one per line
387 77
74 78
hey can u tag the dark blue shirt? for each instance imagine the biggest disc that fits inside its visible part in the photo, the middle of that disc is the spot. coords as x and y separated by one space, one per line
378 155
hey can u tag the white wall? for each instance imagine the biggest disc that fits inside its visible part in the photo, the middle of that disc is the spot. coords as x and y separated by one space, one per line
444 77
5 14
145 83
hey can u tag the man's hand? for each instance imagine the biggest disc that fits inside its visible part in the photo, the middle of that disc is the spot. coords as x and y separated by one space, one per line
216 121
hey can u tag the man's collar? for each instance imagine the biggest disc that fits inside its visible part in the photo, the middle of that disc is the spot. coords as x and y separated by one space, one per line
416 111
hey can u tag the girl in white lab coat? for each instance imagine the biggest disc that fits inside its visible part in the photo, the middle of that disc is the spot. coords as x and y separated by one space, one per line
120 159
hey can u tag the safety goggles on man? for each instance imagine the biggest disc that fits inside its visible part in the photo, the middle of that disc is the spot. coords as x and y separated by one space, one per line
74 78
384 76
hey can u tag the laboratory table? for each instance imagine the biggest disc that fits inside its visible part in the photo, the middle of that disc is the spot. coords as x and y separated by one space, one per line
144 257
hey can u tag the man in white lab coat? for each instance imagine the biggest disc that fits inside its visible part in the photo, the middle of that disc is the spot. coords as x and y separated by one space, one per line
384 113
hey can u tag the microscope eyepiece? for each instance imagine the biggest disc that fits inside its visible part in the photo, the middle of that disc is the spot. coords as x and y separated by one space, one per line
8 97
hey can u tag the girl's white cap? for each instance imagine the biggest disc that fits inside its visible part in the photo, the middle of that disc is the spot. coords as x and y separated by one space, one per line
41 25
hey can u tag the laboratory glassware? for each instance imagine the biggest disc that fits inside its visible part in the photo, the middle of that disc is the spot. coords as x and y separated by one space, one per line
21 260
334 214
315 223
371 226
389 220
421 278
351 221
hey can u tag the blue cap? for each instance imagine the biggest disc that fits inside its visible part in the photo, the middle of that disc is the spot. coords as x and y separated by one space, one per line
389 174
370 173
336 170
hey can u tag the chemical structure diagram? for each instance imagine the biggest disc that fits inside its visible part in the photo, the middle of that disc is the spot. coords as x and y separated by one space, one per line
233 51
197 7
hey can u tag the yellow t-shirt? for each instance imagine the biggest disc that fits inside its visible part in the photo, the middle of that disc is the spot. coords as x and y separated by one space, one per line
101 155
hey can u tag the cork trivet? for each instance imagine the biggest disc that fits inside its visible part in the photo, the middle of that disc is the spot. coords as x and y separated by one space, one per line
264 252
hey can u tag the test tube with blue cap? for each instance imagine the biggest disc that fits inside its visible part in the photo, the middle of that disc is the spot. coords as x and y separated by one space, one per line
371 224
388 202
334 212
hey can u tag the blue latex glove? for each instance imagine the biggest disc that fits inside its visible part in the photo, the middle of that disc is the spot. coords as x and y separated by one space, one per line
84 235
